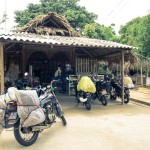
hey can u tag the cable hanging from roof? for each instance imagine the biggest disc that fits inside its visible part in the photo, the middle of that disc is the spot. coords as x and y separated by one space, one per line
116 9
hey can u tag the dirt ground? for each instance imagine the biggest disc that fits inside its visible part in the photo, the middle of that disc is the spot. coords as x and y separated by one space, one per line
141 94
113 127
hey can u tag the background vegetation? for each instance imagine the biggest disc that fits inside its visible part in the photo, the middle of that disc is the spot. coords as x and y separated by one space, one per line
136 32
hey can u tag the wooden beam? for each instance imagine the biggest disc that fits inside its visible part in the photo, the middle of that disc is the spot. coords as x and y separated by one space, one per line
45 22
1 69
122 77
54 23
9 47
114 53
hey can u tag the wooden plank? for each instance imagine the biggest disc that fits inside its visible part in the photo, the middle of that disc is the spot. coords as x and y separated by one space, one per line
78 64
1 69
76 68
81 65
86 65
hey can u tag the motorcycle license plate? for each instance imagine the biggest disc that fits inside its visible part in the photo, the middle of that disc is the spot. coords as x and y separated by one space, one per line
104 92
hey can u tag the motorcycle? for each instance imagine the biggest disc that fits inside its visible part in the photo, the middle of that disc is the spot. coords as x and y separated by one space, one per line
117 91
26 135
85 98
101 90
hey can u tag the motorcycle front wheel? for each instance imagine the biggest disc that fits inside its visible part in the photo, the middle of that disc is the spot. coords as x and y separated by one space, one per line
63 120
88 105
25 136
59 113
103 100
126 98
113 97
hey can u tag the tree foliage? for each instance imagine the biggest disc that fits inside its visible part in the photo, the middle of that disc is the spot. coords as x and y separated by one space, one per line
137 33
77 16
4 18
98 31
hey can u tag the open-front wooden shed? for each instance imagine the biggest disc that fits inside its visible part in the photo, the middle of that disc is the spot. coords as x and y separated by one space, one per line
49 40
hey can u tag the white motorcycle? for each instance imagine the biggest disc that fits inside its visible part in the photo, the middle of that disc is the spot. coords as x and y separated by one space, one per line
29 119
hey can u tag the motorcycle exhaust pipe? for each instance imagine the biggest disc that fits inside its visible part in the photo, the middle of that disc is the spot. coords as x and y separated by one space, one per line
37 128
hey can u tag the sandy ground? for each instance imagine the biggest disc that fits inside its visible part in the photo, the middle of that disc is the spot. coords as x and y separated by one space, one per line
113 127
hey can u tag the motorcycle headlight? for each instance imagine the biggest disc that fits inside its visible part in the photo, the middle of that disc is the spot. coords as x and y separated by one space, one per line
83 99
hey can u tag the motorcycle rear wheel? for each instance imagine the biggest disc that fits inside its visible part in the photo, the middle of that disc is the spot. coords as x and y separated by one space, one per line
24 138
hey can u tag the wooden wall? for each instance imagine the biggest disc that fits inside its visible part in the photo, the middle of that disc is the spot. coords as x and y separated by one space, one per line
86 66
28 50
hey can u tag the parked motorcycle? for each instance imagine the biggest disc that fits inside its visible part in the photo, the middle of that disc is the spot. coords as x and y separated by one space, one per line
85 88
100 93
117 91
26 135
101 90
85 98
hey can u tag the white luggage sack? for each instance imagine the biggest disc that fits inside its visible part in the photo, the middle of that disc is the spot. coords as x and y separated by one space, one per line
28 106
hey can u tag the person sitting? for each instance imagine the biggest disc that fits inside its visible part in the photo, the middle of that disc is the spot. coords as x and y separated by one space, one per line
19 82
27 80
58 71
36 81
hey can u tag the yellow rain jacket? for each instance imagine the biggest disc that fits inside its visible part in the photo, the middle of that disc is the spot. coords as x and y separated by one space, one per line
85 84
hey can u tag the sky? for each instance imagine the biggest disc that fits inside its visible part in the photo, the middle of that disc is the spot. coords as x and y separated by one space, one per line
118 12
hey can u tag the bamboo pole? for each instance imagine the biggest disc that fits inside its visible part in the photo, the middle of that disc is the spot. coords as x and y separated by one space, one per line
122 77
1 69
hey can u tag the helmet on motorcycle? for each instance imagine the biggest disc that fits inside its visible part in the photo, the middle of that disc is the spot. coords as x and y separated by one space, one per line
26 73
83 99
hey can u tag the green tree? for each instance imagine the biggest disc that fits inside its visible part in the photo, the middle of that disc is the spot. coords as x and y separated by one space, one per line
98 31
77 16
137 33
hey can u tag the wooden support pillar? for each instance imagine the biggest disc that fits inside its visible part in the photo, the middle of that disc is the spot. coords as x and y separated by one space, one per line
23 60
122 78
141 74
1 69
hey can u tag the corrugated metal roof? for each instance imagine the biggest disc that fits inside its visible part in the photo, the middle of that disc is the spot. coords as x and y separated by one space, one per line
61 40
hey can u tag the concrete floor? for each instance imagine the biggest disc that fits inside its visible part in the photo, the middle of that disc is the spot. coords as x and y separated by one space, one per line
114 127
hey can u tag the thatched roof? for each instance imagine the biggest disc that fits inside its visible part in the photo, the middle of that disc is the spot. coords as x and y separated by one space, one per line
49 24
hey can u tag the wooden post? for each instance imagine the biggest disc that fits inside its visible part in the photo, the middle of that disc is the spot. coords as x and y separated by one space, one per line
141 74
1 69
23 59
148 69
122 77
